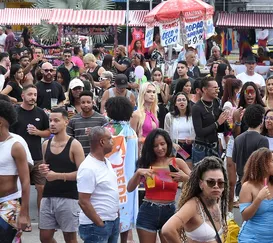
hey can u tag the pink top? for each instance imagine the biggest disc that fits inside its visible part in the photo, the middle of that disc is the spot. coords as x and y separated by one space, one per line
147 126
77 61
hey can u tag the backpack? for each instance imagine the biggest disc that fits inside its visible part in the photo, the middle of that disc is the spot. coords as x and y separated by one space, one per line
233 232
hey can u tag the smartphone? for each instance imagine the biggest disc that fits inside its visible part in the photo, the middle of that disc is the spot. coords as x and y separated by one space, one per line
172 168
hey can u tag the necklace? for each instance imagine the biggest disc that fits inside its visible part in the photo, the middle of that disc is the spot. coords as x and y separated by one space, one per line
208 107
5 140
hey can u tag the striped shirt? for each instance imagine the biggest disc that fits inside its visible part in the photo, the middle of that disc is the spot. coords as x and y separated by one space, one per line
79 128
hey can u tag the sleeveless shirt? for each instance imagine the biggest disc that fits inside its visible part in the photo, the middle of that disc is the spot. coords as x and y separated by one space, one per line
60 163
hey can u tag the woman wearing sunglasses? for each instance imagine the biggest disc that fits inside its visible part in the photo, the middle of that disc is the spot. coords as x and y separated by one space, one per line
256 204
206 190
268 127
161 187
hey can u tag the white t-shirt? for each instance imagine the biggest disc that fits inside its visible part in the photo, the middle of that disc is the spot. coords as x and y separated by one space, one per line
99 179
256 78
3 39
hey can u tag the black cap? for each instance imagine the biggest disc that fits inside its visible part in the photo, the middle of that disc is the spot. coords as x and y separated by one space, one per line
250 59
99 45
8 27
121 81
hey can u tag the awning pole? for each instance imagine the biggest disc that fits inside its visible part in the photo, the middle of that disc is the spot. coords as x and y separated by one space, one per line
151 4
127 27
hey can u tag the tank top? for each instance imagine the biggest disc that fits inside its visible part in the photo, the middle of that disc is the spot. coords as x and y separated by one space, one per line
95 75
112 93
147 126
7 163
60 163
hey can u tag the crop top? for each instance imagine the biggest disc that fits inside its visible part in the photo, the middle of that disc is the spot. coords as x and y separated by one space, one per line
205 232
147 126
7 163
163 190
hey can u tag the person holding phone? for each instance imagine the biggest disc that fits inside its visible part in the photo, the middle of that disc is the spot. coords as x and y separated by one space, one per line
204 194
159 202
178 123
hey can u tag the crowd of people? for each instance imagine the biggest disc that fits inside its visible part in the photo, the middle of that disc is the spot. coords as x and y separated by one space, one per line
90 132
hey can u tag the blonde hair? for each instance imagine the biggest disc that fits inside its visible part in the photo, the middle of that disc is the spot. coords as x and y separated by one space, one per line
89 57
266 91
141 102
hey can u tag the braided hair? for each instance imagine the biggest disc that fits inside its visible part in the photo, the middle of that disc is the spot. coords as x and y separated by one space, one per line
192 189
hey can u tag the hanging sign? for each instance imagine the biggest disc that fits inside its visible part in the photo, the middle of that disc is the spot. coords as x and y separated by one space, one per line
209 28
170 33
195 32
149 35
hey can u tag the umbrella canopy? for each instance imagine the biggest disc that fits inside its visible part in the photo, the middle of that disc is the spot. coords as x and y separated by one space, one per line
173 9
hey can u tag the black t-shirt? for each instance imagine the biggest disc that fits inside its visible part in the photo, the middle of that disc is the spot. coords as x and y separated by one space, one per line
39 119
244 145
16 91
123 61
3 70
47 91
19 50
204 121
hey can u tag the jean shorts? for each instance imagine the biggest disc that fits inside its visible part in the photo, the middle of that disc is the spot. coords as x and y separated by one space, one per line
91 233
152 216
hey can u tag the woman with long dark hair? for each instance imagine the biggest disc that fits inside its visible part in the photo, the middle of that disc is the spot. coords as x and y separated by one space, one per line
159 201
213 69
63 78
14 86
268 127
184 85
178 123
207 188
222 70
107 64
256 204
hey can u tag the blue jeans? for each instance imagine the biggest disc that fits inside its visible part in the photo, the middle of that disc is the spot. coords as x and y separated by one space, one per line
152 216
199 152
91 233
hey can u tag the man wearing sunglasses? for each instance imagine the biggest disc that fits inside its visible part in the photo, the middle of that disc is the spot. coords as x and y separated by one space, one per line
250 74
50 93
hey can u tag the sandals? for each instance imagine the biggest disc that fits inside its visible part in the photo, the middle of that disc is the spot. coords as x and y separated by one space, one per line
28 228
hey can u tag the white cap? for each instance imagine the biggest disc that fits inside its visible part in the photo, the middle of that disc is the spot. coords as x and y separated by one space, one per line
76 82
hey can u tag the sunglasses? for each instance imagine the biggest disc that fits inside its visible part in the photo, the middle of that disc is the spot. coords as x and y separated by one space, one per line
268 118
250 91
48 70
212 183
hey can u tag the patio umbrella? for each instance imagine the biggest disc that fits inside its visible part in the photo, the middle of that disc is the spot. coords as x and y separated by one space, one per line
174 9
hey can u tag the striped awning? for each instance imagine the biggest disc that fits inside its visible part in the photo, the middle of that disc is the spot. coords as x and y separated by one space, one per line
87 17
23 16
136 17
245 20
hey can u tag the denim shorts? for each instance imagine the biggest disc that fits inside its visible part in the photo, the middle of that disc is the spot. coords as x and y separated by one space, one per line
152 216
91 233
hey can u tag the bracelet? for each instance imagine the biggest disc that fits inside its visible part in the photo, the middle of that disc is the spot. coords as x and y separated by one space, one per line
238 123
216 124
64 178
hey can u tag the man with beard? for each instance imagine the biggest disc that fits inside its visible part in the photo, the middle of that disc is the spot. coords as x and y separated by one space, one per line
19 47
208 120
59 206
4 69
32 124
180 73
69 65
121 63
80 125
50 93
28 79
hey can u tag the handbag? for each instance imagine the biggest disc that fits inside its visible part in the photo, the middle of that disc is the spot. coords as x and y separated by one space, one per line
218 239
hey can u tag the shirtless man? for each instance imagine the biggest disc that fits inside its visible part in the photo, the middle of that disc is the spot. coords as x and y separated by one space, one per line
13 163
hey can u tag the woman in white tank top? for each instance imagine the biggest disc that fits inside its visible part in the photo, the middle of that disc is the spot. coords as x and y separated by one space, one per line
207 183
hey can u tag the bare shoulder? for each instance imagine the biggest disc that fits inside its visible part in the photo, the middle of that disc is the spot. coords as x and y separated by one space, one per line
248 186
76 144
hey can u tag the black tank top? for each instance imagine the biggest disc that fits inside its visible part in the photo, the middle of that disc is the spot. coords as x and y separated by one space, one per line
60 163
95 74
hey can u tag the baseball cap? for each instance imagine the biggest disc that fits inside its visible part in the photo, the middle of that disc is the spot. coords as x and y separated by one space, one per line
121 81
75 83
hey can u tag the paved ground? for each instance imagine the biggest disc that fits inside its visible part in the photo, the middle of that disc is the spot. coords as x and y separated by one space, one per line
33 237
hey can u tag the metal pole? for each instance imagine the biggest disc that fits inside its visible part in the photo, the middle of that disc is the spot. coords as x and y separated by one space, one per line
151 5
127 27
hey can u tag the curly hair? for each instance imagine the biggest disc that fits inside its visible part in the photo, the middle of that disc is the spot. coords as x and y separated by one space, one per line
191 188
257 166
7 111
119 108
254 115
148 155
